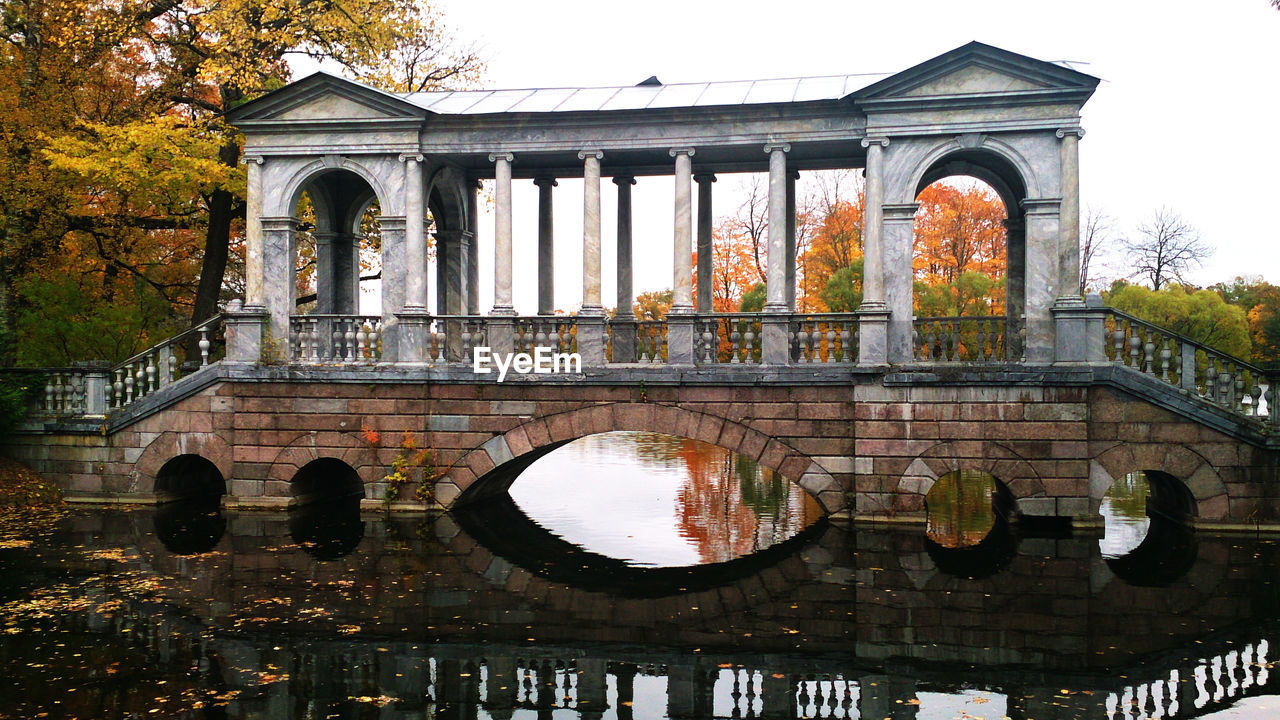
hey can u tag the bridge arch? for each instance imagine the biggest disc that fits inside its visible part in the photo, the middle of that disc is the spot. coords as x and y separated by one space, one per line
170 445
1010 470
310 447
471 477
1175 463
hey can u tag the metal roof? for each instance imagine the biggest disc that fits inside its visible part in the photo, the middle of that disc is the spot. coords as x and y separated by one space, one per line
639 97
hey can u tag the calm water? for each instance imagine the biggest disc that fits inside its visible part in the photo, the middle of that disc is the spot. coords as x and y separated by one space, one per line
705 589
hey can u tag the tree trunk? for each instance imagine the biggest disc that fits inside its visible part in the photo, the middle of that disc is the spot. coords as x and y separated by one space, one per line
217 244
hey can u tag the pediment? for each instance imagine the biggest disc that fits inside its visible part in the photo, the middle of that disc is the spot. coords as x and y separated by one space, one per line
978 69
322 98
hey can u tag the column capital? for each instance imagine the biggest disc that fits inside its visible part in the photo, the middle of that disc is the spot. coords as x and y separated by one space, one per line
783 146
870 140
255 159
286 222
624 180
547 181
681 151
584 154
509 157
1065 131
900 211
1041 206
416 157
705 177
392 223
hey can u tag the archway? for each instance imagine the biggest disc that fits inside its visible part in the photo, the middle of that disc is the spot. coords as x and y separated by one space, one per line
189 477
326 480
324 518
969 258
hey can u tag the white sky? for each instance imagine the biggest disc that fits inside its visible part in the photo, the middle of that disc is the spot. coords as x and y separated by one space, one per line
1186 115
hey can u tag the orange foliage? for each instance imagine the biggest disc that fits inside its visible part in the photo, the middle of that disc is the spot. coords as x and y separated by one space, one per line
958 230
836 244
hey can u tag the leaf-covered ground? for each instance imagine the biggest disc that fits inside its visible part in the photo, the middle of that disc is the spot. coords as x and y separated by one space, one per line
23 487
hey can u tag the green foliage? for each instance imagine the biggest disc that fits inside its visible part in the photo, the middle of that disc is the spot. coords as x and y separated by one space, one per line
972 294
17 391
1261 302
753 299
843 291
67 318
1201 315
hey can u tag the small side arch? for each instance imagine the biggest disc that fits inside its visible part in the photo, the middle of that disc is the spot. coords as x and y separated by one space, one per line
470 478
1177 463
287 200
169 445
1011 471
991 160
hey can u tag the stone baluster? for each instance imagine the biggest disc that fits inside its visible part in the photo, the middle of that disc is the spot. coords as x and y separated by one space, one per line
735 340
831 343
151 373
204 346
50 388
1149 352
140 378
802 339
846 336
1135 349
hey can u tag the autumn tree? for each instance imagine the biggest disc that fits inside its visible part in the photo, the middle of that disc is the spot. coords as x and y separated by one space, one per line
1164 249
834 211
751 223
1260 300
1202 315
156 77
733 269
960 250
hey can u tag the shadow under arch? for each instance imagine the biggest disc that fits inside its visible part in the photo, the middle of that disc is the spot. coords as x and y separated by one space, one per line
505 530
189 477
975 562
1170 549
191 526
327 530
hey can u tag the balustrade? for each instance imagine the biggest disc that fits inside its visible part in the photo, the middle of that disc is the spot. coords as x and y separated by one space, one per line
824 338
960 339
560 333
165 363
1192 690
728 339
64 393
335 339
1195 368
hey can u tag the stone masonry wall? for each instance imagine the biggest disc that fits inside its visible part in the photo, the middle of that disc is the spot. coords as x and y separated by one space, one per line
869 449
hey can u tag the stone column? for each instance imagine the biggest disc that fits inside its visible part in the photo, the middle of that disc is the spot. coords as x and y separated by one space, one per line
415 235
1042 274
254 292
778 697
705 220
898 231
591 336
775 345
393 292
792 176
680 318
625 676
546 247
501 329
591 304
326 293
593 688
279 288
873 313
473 250
624 320
1015 284
1069 219
503 687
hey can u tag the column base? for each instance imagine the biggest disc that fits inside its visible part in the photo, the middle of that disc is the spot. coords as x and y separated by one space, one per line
775 338
414 336
873 334
591 340
623 332
680 338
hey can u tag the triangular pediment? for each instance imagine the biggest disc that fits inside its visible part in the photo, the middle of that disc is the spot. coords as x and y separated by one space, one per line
322 97
978 69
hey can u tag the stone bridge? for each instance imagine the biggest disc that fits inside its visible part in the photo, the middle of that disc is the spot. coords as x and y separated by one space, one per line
277 400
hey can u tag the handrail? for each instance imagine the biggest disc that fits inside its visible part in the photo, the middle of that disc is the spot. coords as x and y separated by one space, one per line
1183 339
204 325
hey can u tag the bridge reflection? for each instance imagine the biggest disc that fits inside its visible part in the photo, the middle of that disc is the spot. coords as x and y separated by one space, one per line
426 619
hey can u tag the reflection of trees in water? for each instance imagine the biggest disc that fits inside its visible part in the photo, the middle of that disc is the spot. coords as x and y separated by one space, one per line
730 506
961 508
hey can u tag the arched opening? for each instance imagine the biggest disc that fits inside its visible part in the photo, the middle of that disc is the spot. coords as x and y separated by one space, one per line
338 245
1147 538
653 500
969 259
967 531
189 477
324 519
326 480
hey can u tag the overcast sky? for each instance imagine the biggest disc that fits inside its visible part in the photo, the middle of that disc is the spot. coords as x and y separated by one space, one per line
1186 115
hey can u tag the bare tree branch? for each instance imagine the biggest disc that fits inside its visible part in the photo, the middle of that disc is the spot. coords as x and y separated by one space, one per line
1164 249
1098 234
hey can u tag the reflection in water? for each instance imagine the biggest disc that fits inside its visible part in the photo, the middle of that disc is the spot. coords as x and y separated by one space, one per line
1124 515
190 527
658 500
423 619
962 508
327 530
988 556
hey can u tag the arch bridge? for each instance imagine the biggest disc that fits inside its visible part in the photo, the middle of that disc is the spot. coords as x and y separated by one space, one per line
1055 398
